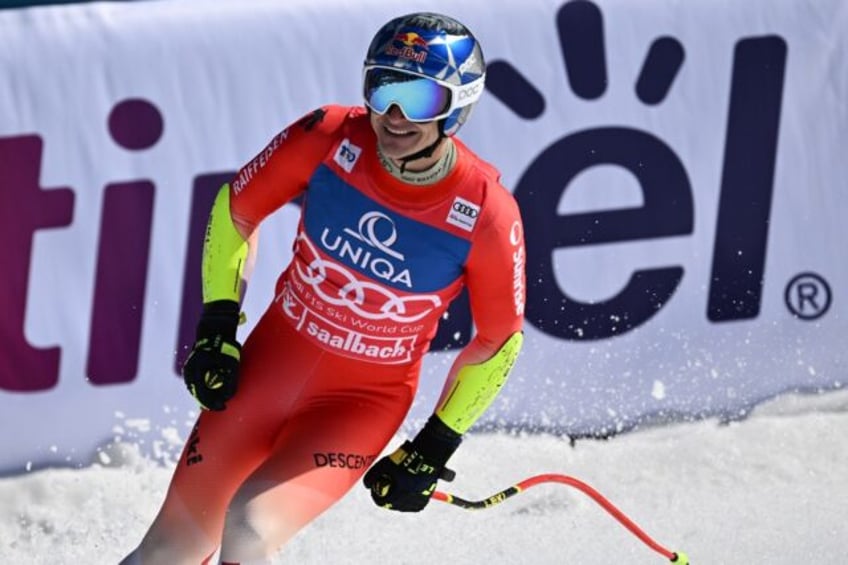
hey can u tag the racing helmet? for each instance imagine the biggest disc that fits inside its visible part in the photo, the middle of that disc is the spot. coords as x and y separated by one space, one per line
429 65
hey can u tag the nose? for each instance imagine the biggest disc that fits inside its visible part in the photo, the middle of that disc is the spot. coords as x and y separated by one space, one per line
394 112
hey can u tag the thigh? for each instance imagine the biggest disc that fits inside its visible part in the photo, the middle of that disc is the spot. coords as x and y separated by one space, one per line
321 452
225 447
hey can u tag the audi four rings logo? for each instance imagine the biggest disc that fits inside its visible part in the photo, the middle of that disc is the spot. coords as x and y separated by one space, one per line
463 214
466 209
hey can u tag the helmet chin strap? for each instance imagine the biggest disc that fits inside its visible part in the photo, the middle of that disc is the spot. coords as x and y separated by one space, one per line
423 153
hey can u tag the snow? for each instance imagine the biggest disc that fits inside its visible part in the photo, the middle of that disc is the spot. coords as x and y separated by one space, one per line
769 489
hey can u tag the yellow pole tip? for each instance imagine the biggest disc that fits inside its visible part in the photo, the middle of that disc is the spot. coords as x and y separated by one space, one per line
680 558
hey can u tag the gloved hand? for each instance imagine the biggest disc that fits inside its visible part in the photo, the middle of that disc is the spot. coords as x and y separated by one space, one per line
406 479
211 370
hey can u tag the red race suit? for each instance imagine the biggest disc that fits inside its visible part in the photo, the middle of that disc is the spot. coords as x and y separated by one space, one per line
330 370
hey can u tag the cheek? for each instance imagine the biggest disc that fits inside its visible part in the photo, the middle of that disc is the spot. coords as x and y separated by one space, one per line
431 131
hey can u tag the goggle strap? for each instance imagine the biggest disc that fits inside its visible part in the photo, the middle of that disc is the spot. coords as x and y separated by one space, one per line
468 93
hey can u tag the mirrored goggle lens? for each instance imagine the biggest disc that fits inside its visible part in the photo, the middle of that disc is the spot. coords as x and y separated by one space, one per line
419 98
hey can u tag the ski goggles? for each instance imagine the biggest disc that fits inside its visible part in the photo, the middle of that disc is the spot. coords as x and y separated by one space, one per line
420 98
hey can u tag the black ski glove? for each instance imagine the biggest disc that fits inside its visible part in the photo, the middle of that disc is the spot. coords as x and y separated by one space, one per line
211 370
406 479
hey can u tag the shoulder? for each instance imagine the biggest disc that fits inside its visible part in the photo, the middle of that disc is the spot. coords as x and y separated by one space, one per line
321 130
296 150
497 202
482 169
308 139
326 120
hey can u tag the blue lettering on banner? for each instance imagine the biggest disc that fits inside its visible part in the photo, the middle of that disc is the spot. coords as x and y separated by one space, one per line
739 251
736 281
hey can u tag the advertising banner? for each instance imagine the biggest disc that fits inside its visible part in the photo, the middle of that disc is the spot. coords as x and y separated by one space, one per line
680 168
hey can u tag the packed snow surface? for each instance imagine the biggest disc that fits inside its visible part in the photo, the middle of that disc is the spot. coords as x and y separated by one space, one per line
769 489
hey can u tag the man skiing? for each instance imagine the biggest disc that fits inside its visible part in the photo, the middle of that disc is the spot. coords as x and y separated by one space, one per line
397 217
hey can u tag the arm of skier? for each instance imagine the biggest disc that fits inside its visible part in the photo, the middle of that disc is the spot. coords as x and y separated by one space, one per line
278 174
496 285
406 479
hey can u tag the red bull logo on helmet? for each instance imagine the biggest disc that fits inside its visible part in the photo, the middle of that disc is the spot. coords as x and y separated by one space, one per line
408 45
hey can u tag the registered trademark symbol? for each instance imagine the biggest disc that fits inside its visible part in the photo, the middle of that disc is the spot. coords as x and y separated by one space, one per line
808 296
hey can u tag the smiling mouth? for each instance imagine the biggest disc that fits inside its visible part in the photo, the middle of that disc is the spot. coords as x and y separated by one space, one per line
398 132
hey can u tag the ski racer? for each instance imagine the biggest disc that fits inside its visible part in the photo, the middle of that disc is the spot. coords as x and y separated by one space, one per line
397 217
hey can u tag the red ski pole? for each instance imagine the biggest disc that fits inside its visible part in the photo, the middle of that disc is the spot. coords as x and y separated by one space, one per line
679 558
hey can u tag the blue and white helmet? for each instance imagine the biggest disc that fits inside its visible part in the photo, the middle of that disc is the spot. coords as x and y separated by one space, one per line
435 47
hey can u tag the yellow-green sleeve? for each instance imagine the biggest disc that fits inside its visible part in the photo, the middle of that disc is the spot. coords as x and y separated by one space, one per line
224 253
476 386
